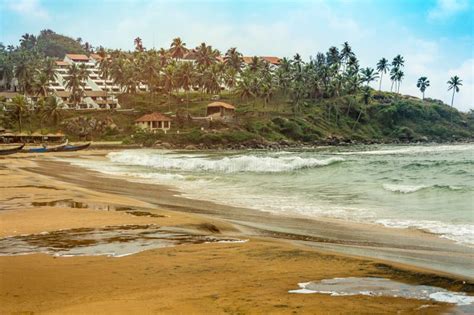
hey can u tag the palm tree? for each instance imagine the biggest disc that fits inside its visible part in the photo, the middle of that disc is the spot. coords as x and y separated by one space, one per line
399 77
185 79
52 109
382 67
398 62
41 84
454 84
178 48
138 44
233 59
422 84
346 53
75 83
20 108
49 69
368 75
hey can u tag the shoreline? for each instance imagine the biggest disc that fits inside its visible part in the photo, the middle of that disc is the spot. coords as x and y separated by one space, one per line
407 246
251 277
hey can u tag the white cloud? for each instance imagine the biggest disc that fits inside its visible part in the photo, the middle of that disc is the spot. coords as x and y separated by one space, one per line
447 8
29 8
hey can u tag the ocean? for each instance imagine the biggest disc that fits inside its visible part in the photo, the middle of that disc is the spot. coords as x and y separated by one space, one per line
426 187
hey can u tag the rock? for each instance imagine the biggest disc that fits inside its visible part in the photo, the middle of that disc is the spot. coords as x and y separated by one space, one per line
166 145
190 147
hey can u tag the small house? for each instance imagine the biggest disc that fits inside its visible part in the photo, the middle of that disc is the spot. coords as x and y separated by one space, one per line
153 122
220 109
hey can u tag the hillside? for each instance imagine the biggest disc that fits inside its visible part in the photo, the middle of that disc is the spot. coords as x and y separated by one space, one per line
387 118
52 44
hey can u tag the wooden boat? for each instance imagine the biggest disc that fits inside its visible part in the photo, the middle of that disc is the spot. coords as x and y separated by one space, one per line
69 148
12 150
45 149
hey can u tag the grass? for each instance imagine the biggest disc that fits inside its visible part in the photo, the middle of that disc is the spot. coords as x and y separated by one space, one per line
388 117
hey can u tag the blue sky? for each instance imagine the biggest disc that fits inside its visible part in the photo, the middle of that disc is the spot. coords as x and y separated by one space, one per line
435 36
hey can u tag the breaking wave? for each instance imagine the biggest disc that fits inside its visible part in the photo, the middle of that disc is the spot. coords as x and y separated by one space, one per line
407 189
234 164
460 233
414 150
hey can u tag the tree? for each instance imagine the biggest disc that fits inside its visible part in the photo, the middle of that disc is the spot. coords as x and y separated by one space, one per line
422 84
346 53
398 62
178 48
75 82
52 109
138 44
233 59
398 78
20 109
454 83
368 75
382 67
185 78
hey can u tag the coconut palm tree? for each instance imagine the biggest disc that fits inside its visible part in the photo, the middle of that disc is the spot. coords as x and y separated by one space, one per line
75 83
41 84
233 59
49 69
454 83
346 53
185 78
178 48
52 110
398 62
138 44
422 84
398 78
382 67
20 109
368 75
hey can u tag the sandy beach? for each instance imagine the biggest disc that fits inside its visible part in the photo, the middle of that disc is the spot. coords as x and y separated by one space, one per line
43 196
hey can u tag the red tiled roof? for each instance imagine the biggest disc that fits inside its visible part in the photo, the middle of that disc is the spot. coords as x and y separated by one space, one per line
153 117
269 59
247 59
96 57
61 63
221 104
272 60
77 57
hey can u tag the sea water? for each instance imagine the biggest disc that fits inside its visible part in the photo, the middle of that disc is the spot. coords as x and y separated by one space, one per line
426 187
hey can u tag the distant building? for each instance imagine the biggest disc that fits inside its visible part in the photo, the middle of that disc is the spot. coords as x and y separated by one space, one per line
220 110
154 122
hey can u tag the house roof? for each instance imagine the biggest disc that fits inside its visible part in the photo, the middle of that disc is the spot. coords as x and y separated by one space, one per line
95 93
96 57
77 57
221 104
269 59
153 117
272 60
61 63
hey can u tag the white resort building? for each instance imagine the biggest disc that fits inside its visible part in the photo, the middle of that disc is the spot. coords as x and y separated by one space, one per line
99 93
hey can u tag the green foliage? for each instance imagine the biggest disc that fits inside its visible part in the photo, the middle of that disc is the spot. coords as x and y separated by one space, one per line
52 44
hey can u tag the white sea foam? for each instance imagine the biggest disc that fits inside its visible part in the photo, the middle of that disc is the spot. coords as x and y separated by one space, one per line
414 150
460 233
404 189
240 163
382 287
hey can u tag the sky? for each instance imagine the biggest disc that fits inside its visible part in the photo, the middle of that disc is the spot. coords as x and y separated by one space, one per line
436 37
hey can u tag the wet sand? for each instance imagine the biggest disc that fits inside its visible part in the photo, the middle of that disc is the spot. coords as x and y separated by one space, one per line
42 195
